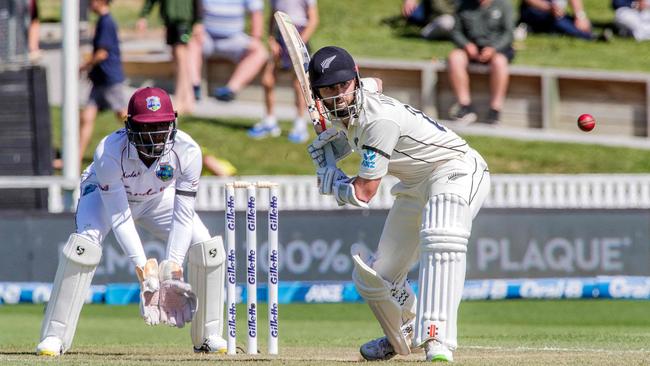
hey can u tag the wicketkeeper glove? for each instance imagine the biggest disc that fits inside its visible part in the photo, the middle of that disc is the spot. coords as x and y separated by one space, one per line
338 140
149 291
178 303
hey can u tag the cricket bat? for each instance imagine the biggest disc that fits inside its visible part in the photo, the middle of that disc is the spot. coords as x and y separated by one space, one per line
300 59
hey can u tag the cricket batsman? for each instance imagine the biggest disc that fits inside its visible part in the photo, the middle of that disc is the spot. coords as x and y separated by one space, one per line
442 185
146 173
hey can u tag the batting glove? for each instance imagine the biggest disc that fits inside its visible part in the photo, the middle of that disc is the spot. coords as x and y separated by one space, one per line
327 177
337 139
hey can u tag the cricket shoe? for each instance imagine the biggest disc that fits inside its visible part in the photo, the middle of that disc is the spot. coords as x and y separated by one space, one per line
298 136
268 126
212 344
50 346
378 349
437 352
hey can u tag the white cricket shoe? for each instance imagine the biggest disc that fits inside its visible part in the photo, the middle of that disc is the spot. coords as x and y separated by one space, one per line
50 346
438 352
212 344
378 349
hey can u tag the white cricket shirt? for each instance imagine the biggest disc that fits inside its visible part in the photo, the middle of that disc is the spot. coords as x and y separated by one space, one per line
394 138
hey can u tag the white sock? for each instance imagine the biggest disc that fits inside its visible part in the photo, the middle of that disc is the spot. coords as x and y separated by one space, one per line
269 121
299 124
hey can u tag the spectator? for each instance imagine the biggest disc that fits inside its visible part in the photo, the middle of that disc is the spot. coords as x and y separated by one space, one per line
435 16
633 18
105 73
33 32
224 25
182 18
549 16
216 166
304 15
482 34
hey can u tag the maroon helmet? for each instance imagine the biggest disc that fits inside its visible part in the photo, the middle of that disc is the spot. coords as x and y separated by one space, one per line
151 122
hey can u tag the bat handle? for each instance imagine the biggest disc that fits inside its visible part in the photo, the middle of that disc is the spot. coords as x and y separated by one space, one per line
330 159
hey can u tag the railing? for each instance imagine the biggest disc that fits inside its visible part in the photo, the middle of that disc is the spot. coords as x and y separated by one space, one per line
508 191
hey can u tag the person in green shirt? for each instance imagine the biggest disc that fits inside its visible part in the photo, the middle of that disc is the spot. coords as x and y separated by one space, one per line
483 34
183 20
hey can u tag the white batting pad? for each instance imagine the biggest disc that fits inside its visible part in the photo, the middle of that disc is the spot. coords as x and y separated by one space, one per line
446 225
77 265
206 275
384 301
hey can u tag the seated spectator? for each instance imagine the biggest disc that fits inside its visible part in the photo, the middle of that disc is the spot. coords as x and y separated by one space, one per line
182 19
216 166
549 16
435 16
482 34
633 18
304 15
224 25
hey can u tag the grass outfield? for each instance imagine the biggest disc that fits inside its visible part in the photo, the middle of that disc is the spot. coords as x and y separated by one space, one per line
227 139
519 332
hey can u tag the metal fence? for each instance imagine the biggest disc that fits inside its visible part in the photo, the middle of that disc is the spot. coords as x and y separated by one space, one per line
508 191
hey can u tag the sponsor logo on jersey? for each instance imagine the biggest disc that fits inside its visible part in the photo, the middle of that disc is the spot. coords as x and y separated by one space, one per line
133 174
369 159
455 175
326 63
153 103
165 172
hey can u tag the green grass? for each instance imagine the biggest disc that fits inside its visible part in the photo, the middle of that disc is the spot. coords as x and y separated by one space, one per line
227 138
590 332
367 28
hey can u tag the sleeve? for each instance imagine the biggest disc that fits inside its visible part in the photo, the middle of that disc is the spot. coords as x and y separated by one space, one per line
377 143
115 202
103 37
506 37
457 34
370 85
254 5
146 8
187 184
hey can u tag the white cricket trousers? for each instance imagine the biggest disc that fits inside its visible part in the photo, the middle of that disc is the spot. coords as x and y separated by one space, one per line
399 245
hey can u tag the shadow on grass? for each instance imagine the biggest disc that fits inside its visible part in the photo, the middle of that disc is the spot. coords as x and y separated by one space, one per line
233 124
400 27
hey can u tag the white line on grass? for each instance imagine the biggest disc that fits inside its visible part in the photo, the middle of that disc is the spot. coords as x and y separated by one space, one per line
555 349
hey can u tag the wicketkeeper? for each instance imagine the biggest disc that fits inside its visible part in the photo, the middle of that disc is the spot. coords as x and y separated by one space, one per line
146 173
442 185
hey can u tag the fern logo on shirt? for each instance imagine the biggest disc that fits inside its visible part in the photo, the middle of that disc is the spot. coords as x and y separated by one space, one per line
369 159
165 172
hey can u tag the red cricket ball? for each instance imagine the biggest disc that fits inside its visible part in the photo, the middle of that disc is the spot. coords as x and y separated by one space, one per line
586 122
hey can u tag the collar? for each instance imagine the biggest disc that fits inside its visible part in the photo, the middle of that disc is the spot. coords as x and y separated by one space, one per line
132 153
